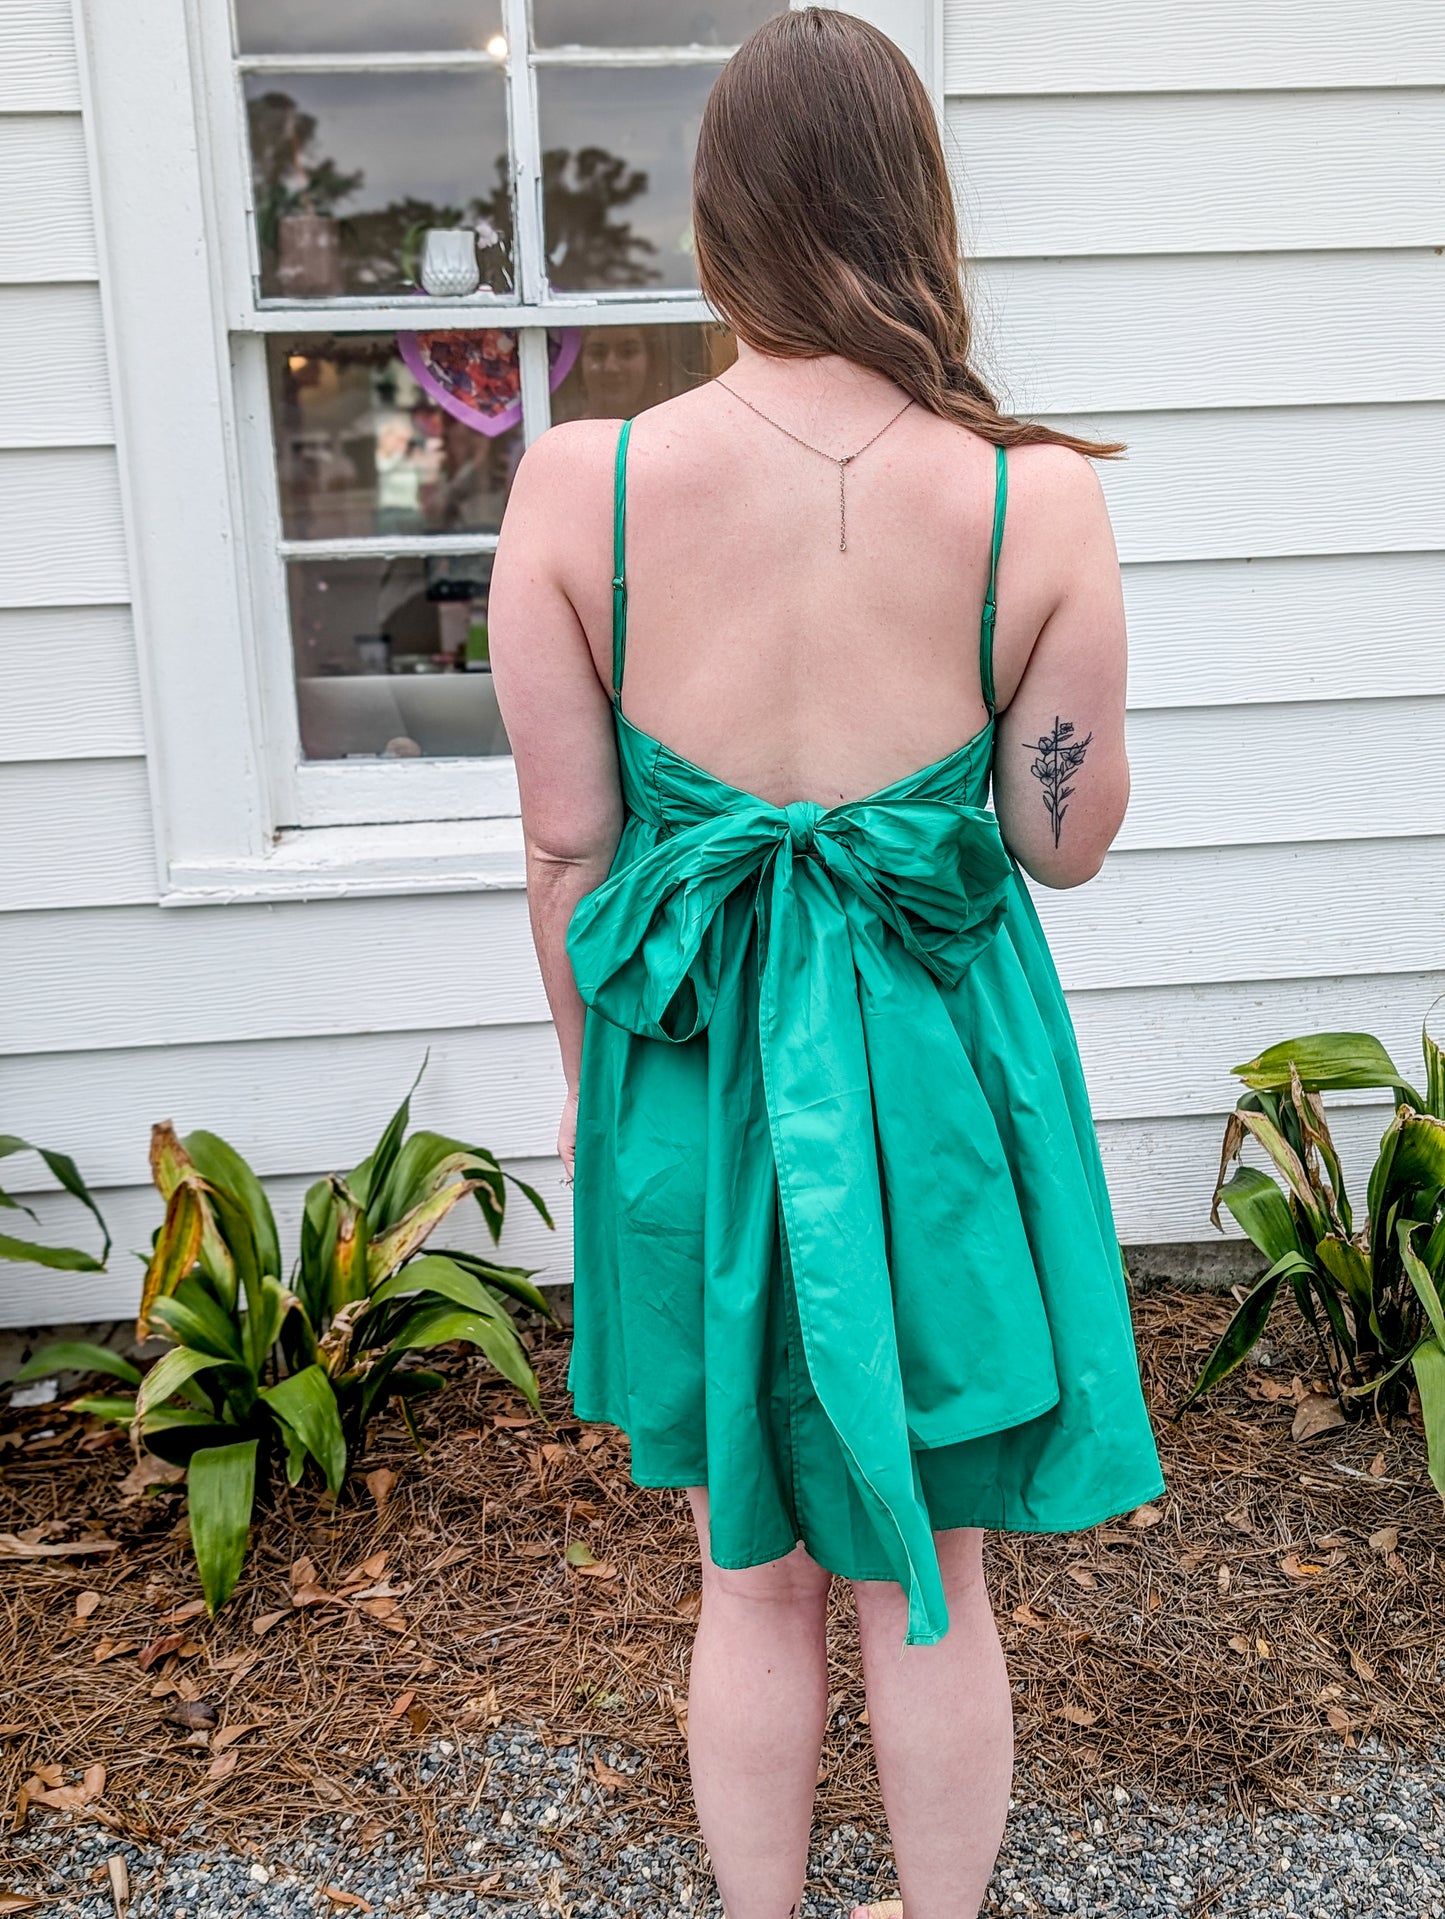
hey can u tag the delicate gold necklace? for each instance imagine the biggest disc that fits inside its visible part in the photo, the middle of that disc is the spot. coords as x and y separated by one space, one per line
842 464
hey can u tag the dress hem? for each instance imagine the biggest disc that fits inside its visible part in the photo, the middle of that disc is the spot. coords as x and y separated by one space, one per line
1112 1510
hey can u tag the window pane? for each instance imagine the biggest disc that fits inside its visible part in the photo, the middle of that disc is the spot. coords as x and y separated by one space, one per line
365 26
617 147
370 443
622 370
647 23
391 657
350 169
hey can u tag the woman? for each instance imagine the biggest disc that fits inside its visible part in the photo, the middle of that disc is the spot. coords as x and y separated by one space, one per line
845 1265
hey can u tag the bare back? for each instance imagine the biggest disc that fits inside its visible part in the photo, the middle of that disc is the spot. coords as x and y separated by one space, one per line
791 669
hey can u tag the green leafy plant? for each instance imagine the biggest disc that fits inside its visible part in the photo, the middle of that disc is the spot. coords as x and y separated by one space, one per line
65 1259
262 1375
1371 1290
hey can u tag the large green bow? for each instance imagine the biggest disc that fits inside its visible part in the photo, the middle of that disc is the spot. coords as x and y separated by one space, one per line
839 891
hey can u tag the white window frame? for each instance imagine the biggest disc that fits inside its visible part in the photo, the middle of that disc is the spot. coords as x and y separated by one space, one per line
186 339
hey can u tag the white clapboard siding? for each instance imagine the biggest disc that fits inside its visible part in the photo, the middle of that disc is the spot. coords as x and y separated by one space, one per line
1370 907
1161 1172
1034 46
1151 1052
62 538
68 684
1194 330
1337 626
38 72
1238 775
75 833
48 231
54 385
134 977
1257 481
298 1102
1156 1051
33 1296
137 977
1199 172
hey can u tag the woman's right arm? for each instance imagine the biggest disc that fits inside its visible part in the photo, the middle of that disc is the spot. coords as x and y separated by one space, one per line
1061 774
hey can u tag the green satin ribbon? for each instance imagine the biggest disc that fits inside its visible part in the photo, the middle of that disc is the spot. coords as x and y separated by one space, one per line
834 887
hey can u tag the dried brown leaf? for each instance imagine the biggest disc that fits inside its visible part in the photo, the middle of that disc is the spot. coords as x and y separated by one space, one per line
1316 1414
222 1766
1143 1517
1296 1566
1386 1539
85 1604
263 1622
381 1484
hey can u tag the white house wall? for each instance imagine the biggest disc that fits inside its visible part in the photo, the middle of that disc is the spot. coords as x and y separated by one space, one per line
1209 231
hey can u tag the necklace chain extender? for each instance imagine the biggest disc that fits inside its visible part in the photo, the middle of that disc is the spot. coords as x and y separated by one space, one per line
842 464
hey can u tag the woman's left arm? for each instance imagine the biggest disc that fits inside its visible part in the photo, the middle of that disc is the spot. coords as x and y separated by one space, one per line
559 723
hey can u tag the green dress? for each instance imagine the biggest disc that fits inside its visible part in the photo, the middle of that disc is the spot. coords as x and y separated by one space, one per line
844 1252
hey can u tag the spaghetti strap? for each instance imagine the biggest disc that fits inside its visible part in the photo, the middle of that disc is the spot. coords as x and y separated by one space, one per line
619 575
985 637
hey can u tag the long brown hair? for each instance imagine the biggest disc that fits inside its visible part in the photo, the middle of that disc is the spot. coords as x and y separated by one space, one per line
824 221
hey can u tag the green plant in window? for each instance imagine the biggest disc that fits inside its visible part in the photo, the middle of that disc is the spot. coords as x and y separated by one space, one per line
1371 1290
262 1375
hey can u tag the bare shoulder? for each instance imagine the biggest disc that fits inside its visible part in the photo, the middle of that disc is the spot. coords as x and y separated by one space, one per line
1056 484
565 456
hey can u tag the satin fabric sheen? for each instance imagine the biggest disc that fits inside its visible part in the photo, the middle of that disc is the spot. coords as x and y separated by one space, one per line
844 1251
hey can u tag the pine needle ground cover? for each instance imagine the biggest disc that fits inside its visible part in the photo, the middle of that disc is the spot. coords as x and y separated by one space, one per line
1281 1601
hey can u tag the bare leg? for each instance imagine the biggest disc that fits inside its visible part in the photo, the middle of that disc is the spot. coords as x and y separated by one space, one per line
757 1701
942 1723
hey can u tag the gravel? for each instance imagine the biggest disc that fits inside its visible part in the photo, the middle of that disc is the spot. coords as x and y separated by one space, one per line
534 1835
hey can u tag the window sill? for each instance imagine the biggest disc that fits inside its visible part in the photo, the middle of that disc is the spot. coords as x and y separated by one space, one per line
354 862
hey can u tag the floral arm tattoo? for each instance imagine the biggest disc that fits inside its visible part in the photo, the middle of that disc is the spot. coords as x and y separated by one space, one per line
1057 758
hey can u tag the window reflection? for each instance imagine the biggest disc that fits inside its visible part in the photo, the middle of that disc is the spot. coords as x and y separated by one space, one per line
623 370
350 169
363 448
392 657
366 26
617 147
647 23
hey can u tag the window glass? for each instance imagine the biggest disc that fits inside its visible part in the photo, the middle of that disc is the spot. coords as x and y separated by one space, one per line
617 147
622 370
351 169
392 657
647 23
391 650
368 444
366 26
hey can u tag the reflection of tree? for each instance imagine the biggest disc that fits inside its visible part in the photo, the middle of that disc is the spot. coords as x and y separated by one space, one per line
586 247
287 179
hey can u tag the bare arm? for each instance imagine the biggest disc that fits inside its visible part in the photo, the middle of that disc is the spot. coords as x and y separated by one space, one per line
559 724
1061 775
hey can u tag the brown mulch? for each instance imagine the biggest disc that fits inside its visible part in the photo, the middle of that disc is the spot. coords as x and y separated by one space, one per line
1282 1598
